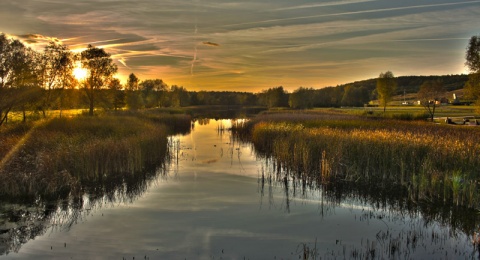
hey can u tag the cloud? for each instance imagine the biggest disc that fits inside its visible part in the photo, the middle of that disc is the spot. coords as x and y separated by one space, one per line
211 44
37 38
356 12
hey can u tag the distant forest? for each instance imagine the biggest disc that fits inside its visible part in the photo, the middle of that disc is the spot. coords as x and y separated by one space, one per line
353 94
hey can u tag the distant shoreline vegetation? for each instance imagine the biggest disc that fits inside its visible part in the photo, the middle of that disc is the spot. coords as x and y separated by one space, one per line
431 162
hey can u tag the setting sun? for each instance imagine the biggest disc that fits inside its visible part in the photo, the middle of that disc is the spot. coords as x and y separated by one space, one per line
79 73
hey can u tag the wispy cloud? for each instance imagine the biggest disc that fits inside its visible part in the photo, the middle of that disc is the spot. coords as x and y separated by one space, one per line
357 12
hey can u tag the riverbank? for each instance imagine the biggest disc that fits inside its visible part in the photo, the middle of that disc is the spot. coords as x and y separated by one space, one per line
59 157
431 162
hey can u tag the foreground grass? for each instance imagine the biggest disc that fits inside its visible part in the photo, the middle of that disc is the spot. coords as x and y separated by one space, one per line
70 156
433 162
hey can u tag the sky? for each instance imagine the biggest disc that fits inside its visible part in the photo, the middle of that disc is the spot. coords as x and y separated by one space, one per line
243 45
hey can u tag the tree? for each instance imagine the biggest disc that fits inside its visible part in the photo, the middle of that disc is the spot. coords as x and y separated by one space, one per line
153 91
117 95
179 96
386 87
56 73
100 69
302 98
134 100
430 93
18 80
132 82
274 97
472 86
473 54
354 96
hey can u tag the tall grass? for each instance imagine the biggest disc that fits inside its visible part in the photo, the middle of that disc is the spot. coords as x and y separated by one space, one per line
433 162
70 156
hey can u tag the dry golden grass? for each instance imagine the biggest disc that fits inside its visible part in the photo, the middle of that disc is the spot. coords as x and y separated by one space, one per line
68 156
434 162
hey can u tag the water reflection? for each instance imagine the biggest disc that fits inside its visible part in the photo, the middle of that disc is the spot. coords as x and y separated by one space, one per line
24 219
430 225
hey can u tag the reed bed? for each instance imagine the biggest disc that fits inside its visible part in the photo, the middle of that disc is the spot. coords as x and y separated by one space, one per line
433 162
71 156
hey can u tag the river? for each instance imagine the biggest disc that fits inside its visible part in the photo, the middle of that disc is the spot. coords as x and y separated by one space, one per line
212 203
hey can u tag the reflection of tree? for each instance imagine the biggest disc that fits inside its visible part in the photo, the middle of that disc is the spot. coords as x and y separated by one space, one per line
22 221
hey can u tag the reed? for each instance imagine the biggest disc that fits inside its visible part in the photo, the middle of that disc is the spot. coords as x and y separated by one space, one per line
434 162
70 156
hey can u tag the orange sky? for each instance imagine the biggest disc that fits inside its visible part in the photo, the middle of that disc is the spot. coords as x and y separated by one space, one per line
254 45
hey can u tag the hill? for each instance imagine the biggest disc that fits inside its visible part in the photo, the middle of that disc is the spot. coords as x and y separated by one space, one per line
411 84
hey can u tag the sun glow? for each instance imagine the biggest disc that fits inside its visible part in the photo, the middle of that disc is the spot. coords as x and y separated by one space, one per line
79 72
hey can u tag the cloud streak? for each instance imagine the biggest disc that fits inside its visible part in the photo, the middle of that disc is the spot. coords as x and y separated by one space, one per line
357 12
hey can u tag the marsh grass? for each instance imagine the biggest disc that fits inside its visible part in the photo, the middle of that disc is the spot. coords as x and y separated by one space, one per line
71 156
433 162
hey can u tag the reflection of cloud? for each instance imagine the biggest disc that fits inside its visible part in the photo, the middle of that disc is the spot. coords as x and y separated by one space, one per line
210 161
211 44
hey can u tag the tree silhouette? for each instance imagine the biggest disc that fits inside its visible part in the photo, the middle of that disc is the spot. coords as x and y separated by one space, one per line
100 72
56 73
18 78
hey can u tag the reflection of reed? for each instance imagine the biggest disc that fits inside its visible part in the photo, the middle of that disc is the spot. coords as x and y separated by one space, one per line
21 222
386 202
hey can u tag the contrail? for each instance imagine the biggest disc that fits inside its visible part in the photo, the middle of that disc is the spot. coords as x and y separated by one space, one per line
333 3
195 52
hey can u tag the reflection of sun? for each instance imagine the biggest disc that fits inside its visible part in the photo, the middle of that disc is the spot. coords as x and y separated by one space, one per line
79 73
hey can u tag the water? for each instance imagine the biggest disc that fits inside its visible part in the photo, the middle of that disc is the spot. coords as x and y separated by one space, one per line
212 204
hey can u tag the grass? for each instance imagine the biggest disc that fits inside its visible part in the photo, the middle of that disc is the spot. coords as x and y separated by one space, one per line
415 112
433 162
73 155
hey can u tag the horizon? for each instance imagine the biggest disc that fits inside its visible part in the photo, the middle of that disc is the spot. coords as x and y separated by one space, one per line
252 46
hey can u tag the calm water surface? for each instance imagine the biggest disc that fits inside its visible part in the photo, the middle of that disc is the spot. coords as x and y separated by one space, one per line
211 204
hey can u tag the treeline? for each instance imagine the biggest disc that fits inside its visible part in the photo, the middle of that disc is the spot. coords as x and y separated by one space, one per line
353 94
